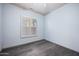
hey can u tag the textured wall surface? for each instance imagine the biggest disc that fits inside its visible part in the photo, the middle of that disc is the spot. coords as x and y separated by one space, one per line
11 25
62 26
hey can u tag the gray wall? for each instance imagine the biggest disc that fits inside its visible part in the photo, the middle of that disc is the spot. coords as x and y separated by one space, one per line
11 25
62 26
0 26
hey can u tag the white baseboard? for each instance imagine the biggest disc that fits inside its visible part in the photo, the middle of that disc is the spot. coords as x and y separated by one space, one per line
62 45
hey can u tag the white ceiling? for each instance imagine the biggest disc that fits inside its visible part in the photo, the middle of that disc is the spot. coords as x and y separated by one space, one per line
42 8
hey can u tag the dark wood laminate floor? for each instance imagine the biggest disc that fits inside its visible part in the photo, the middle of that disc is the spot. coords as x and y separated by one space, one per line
39 48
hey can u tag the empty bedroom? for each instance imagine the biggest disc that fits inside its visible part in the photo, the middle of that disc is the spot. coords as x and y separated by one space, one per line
39 29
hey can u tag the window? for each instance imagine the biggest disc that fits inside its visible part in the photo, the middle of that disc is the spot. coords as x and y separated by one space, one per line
28 27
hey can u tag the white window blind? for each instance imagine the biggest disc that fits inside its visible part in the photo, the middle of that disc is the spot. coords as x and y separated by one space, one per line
28 27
